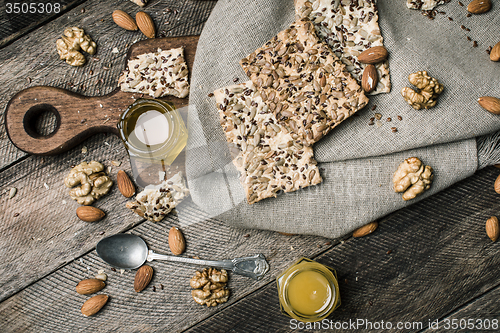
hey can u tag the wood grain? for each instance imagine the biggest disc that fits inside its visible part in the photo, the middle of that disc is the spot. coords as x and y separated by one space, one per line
32 60
482 311
440 258
52 304
75 115
13 26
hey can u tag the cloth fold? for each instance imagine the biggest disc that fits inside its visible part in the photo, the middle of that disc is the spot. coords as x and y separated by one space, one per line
357 160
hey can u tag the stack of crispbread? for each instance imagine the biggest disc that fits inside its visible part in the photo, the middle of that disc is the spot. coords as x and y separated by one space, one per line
299 91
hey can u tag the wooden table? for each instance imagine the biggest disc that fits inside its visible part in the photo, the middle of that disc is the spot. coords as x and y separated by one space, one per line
431 261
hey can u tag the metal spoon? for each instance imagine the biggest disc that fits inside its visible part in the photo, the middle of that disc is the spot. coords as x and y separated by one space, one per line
130 251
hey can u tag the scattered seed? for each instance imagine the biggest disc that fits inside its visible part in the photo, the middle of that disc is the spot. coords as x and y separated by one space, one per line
400 118
83 121
474 44
236 79
371 123
374 107
328 243
16 214
82 11
101 233
116 163
370 302
113 269
345 281
389 252
378 116
105 68
488 50
319 246
211 95
154 288
450 18
161 286
195 257
389 119
469 39
28 79
394 129
461 4
84 150
246 235
468 15
12 192
96 59
463 27
46 185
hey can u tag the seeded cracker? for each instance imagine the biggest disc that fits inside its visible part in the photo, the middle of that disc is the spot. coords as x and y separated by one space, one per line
425 4
303 82
157 74
349 27
270 157
153 204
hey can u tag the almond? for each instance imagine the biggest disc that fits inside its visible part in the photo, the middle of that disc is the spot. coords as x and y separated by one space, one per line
497 183
373 55
125 185
369 79
495 52
124 20
365 230
492 228
145 24
89 286
491 104
176 241
93 305
89 213
479 6
142 278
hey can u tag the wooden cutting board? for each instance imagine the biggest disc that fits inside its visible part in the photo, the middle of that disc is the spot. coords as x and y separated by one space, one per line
78 116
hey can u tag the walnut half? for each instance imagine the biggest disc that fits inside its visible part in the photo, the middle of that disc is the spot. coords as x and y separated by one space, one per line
412 178
74 40
428 90
209 287
94 183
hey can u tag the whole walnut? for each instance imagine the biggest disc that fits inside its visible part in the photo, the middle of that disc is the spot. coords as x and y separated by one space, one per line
428 90
94 183
413 178
209 287
73 40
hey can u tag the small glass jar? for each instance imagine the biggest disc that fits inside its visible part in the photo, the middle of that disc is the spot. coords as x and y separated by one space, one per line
153 131
308 291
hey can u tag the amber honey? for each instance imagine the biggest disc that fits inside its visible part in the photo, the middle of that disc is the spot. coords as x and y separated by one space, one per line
308 291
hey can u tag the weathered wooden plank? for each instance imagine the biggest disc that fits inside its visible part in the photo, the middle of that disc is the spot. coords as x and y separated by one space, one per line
52 304
32 59
480 315
18 21
40 230
439 259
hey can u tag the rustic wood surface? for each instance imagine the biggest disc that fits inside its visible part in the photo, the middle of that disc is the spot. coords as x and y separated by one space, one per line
430 261
76 116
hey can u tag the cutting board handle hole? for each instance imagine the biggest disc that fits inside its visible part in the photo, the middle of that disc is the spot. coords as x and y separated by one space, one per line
41 121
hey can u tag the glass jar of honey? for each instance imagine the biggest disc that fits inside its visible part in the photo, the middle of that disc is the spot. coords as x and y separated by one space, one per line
308 291
153 131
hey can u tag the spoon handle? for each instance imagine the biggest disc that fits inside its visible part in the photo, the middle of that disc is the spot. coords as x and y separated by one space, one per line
254 267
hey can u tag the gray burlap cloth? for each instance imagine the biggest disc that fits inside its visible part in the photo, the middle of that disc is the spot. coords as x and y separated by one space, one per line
357 160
